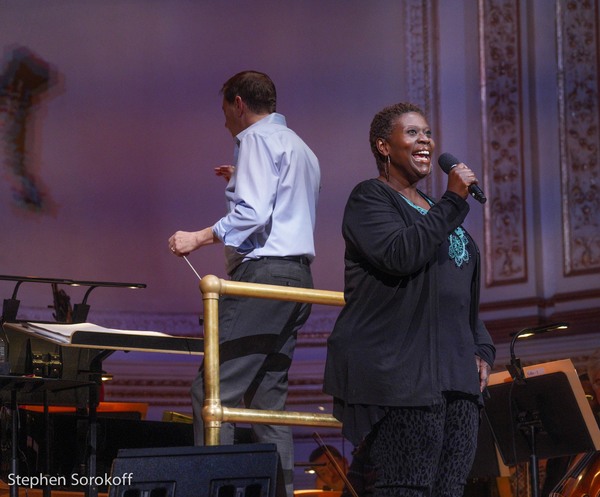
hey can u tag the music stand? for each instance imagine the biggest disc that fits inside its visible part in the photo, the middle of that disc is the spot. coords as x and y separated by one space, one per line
545 416
15 385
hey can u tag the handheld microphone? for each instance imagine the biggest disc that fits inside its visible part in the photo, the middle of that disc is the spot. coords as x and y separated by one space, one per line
447 162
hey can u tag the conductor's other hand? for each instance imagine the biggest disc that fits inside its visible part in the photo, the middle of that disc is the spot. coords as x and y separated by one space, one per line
226 171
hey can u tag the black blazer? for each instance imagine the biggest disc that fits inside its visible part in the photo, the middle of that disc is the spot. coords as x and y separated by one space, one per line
383 349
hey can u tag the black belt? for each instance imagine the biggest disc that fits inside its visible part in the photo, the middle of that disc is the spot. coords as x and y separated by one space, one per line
300 259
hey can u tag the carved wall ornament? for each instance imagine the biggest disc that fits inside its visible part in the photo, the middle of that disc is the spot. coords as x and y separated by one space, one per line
579 123
501 97
420 63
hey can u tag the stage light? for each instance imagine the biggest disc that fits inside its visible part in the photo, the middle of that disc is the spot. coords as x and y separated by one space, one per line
80 311
537 330
106 376
515 368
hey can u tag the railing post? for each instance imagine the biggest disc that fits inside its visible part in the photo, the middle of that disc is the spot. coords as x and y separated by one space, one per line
212 411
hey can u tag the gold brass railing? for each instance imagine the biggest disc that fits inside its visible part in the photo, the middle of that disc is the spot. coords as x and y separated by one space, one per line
213 413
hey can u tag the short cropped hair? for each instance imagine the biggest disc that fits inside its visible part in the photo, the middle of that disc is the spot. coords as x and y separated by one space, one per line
255 88
319 451
383 124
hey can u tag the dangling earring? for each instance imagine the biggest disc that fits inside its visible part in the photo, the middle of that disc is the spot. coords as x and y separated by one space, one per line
386 168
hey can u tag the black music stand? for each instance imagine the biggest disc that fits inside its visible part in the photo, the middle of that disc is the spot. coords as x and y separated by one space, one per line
545 416
88 345
15 385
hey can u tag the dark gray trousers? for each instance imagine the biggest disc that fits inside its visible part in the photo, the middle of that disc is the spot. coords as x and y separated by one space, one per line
257 340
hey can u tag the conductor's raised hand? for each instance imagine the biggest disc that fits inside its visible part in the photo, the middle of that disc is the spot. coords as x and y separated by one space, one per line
225 171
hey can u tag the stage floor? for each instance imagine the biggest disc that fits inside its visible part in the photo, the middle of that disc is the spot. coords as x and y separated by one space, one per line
38 492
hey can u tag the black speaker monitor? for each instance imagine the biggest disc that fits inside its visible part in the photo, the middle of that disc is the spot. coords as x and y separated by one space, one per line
245 470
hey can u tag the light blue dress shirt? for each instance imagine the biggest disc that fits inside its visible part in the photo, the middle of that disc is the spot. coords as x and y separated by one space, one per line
272 195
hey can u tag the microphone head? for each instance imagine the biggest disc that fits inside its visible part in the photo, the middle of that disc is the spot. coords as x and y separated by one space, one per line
447 161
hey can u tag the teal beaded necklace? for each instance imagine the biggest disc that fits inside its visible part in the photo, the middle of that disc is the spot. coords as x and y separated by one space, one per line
457 240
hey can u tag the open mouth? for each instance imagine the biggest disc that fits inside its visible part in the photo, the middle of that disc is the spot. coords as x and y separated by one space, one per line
422 156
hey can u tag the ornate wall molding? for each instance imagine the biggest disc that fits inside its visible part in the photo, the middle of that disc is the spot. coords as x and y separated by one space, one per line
420 53
579 124
501 98
420 17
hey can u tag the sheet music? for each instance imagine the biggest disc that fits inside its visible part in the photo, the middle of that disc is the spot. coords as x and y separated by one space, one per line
64 332
89 335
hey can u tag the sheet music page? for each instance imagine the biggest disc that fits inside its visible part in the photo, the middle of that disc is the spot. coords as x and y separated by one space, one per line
89 335
66 331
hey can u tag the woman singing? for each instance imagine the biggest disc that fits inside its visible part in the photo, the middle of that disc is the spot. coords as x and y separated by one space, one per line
409 358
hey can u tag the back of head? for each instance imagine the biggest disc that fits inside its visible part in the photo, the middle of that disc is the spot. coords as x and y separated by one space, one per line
255 88
319 451
593 366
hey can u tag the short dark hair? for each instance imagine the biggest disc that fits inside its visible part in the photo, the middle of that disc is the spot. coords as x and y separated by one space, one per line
383 124
319 451
255 88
